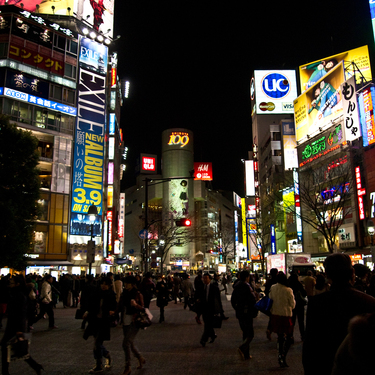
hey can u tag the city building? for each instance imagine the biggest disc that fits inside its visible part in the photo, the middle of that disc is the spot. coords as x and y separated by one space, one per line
208 242
50 55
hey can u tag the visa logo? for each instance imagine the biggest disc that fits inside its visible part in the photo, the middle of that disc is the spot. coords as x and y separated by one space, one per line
288 106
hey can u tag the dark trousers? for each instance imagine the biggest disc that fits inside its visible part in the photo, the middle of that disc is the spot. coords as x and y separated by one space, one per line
46 308
299 315
130 331
208 329
99 350
247 328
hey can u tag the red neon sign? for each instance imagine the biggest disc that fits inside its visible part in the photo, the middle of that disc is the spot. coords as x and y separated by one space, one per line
360 192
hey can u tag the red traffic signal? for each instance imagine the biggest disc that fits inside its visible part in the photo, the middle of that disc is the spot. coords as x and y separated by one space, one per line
183 223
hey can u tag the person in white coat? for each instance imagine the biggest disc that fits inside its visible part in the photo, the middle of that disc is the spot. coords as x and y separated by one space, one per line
281 318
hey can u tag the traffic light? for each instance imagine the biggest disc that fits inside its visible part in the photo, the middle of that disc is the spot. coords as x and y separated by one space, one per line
183 223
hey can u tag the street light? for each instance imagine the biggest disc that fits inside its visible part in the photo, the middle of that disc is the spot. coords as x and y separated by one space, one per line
92 213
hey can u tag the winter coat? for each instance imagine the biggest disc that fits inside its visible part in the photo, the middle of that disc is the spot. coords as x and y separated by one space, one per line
283 300
99 317
162 294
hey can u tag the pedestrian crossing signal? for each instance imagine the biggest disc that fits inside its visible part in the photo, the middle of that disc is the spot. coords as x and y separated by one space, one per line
183 223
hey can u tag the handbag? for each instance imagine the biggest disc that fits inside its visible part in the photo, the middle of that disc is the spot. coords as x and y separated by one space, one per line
18 347
264 305
141 319
79 314
217 321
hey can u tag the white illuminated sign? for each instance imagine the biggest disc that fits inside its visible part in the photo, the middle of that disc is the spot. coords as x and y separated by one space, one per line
250 180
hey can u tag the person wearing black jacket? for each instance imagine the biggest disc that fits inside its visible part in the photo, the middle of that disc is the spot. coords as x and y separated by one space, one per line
101 309
131 302
243 301
162 296
210 301
328 315
300 297
17 322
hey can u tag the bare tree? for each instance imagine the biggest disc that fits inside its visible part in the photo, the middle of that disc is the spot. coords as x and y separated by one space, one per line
227 241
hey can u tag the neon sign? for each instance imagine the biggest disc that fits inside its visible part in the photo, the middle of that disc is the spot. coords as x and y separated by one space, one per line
178 138
360 192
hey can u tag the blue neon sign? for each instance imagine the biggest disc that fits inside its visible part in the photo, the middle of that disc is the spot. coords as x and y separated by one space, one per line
38 101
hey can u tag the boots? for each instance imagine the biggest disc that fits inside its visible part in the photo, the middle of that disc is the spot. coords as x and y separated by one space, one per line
283 346
37 367
141 362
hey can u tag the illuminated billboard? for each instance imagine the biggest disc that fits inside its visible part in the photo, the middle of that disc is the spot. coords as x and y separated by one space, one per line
98 13
372 12
322 145
289 144
87 184
275 91
320 104
148 164
350 110
93 56
313 72
203 171
366 115
249 178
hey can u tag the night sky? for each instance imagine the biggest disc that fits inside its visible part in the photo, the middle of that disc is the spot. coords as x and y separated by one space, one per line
190 65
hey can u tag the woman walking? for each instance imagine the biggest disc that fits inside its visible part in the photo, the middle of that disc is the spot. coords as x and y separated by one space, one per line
131 302
281 315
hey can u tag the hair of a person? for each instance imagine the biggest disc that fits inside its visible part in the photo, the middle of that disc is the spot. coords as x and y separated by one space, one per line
273 272
106 280
47 276
338 267
281 278
244 275
207 274
130 280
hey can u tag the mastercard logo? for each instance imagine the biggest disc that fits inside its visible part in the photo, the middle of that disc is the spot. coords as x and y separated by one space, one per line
266 106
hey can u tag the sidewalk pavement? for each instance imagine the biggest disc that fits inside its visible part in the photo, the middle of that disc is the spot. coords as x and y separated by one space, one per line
170 348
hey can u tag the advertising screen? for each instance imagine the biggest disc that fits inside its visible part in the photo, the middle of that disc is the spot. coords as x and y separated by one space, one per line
275 91
93 56
87 184
289 144
312 72
249 178
98 13
203 171
366 114
320 104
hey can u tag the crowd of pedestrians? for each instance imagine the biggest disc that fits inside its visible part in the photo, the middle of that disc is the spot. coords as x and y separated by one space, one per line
339 307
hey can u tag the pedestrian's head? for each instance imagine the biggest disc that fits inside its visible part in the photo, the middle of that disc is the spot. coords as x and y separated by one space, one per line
129 282
244 275
148 275
281 278
338 268
361 271
309 273
48 278
273 272
105 283
206 278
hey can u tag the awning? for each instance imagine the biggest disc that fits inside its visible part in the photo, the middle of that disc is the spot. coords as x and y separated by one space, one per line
47 263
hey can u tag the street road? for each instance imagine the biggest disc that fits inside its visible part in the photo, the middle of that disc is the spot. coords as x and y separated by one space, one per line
170 348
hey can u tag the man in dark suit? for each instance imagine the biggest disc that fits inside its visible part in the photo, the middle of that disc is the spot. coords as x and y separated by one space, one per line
211 305
329 313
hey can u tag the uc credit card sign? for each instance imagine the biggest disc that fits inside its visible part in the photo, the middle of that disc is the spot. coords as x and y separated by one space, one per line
275 91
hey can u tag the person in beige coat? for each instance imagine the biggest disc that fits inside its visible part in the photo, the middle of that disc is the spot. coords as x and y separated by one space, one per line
281 318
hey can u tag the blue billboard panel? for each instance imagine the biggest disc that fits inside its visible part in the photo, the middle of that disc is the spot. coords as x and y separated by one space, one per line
87 184
32 99
93 56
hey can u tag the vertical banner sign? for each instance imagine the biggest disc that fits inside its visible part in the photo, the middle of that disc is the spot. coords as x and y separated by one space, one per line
350 110
244 232
360 192
297 203
87 184
273 239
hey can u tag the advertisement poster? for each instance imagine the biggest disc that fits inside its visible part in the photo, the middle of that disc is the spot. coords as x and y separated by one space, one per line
289 144
312 72
275 91
320 104
98 13
93 56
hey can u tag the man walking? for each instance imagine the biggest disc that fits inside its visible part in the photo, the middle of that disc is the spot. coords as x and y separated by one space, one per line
243 301
46 302
210 302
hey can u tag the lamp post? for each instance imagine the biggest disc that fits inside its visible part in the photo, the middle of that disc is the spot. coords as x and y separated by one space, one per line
92 213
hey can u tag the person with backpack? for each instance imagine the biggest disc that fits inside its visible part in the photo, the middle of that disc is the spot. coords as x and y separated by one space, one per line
243 301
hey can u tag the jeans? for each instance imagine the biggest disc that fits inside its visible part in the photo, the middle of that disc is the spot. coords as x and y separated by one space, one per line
130 331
